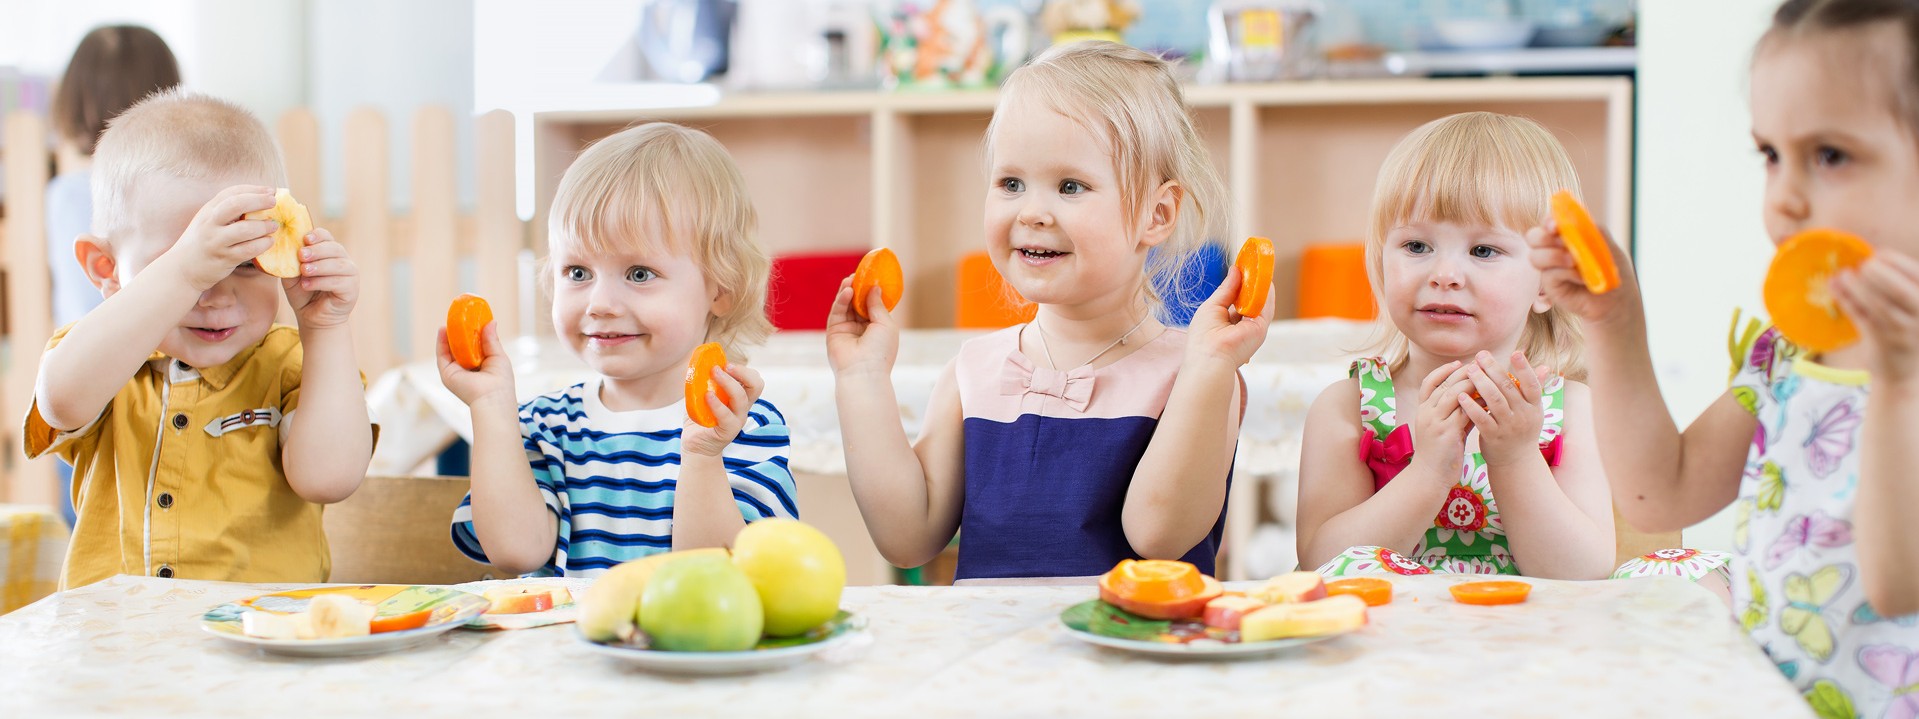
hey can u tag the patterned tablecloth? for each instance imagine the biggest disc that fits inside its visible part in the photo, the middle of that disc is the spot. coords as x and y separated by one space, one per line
33 543
418 417
1651 647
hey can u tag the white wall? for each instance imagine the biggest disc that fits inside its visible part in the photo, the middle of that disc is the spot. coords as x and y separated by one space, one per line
1702 248
395 57
225 47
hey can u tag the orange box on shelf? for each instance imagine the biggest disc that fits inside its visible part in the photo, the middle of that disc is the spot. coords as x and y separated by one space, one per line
984 299
1332 283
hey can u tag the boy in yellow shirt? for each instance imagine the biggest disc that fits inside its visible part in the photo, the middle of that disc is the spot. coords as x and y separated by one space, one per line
175 399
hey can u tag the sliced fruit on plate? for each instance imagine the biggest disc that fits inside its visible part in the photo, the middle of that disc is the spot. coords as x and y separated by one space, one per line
1491 593
1373 590
275 625
401 622
523 598
1158 588
335 617
1332 615
1227 612
1291 588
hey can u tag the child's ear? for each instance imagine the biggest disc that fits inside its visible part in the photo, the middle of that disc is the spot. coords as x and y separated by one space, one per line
723 301
1162 213
98 263
1542 304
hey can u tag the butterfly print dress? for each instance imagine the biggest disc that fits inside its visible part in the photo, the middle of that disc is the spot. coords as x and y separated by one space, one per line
1796 583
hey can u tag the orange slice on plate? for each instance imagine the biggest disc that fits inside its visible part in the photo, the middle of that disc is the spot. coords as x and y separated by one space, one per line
401 622
1799 288
1588 246
879 268
1255 266
283 258
699 381
1373 590
1491 593
465 318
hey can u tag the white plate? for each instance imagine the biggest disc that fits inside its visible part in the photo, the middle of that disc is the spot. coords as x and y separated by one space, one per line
452 608
1206 650
722 663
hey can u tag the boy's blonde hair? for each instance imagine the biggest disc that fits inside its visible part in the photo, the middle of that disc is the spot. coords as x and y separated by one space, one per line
684 178
180 135
1475 168
1133 99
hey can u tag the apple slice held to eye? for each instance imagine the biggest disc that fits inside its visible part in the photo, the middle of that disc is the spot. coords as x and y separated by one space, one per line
283 258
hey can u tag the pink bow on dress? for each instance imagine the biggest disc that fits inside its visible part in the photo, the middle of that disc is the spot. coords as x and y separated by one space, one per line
1020 377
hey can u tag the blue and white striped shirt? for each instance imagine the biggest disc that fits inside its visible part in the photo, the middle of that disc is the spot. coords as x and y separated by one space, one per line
609 477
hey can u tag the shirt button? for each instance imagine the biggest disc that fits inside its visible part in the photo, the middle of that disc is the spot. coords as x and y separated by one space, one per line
166 500
179 421
166 572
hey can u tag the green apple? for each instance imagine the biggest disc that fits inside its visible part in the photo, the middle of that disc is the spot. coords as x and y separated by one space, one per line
798 571
611 606
701 604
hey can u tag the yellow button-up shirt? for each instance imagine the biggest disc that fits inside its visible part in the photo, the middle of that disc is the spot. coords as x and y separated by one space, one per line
180 475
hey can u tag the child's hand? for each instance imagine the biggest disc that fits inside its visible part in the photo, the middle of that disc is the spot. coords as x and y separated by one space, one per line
1510 423
1565 288
742 385
856 344
1882 298
328 285
491 384
1218 331
1439 427
220 239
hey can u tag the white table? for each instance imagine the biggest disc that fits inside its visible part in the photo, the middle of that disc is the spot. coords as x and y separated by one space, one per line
1652 647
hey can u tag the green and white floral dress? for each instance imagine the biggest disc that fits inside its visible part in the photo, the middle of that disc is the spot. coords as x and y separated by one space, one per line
1467 536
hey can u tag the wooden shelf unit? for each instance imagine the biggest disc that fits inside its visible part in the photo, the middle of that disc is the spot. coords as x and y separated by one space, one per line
853 170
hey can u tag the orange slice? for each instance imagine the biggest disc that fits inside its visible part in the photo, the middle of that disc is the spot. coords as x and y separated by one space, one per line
1588 245
464 319
1375 591
283 258
1255 266
1158 588
401 622
699 381
879 268
1799 293
1491 593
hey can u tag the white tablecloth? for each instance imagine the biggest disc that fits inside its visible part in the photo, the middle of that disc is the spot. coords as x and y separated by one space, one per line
1652 647
418 417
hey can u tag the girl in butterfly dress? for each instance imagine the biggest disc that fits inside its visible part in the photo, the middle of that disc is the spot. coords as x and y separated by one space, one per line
1093 433
1489 370
1816 453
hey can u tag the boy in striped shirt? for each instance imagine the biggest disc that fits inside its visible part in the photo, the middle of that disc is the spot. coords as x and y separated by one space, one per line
651 253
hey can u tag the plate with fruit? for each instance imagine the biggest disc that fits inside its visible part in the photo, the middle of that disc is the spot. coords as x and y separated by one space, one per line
1171 609
772 601
343 620
526 602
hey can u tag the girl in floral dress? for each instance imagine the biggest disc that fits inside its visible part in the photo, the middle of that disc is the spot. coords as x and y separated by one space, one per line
1815 452
1491 466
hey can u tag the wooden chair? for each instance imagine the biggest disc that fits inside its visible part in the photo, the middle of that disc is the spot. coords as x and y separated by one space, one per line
394 530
